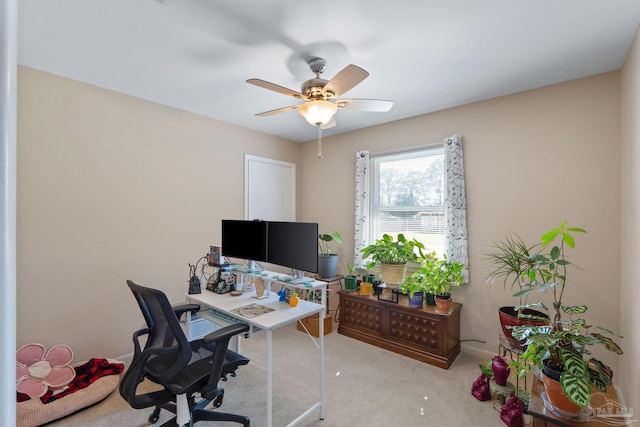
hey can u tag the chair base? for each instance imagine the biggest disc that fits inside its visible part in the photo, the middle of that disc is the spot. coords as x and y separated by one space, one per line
198 414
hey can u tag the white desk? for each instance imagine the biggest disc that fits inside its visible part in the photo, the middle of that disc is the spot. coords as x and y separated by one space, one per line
283 314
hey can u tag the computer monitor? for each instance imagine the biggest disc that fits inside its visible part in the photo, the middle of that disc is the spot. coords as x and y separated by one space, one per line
293 245
244 239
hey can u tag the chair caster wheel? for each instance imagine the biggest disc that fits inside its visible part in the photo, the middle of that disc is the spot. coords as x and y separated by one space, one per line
154 417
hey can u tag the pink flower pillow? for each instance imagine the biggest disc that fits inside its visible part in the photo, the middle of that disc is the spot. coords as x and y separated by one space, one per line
38 369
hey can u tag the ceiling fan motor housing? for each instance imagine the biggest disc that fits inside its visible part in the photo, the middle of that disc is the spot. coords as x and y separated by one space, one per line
312 89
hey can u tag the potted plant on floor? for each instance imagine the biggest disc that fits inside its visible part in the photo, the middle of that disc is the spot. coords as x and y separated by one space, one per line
327 260
444 276
517 264
393 256
559 347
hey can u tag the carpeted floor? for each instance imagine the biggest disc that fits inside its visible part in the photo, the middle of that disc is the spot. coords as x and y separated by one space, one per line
364 386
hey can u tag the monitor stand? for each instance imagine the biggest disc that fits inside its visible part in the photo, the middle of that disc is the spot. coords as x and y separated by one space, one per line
251 268
300 278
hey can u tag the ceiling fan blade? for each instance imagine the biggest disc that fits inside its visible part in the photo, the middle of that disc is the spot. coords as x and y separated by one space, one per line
276 88
277 111
345 80
376 105
331 123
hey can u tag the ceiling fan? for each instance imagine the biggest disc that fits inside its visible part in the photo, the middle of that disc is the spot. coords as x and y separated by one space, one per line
320 106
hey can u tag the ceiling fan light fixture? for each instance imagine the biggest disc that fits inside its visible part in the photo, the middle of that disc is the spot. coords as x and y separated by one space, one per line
318 112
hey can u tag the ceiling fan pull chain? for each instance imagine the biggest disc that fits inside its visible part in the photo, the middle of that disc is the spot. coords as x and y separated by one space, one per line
319 142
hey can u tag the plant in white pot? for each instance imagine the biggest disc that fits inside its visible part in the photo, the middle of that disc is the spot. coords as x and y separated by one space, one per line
393 256
327 260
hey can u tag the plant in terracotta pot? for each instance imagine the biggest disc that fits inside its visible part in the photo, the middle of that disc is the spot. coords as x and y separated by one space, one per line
444 276
393 256
561 350
327 260
560 347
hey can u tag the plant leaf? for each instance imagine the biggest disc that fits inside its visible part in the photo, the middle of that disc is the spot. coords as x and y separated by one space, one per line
596 381
569 240
608 343
576 388
574 309
549 236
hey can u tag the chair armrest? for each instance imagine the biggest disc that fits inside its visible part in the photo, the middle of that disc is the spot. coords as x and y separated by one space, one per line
223 334
181 309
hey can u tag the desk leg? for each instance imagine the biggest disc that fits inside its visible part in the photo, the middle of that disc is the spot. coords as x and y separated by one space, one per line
321 357
269 380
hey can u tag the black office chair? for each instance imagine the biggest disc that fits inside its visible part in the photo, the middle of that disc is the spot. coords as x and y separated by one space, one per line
181 367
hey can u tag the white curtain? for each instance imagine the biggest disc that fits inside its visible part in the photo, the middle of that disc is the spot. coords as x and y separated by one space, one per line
362 204
455 204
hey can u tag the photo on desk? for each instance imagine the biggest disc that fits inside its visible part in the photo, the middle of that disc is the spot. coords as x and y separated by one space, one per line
252 310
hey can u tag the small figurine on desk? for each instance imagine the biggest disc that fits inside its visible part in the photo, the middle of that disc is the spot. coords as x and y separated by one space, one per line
258 283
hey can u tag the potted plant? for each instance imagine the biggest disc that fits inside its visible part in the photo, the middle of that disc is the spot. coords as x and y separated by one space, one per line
560 347
417 285
351 280
568 370
327 260
366 285
393 256
517 264
444 276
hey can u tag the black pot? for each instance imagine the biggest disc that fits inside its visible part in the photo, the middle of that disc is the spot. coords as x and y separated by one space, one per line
550 370
430 299
377 290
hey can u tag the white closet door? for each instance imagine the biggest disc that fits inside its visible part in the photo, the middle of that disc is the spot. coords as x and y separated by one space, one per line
269 189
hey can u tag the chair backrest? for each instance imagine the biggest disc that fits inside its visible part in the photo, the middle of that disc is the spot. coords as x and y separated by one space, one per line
166 345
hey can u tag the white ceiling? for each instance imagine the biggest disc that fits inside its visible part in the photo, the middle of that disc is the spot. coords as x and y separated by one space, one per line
425 55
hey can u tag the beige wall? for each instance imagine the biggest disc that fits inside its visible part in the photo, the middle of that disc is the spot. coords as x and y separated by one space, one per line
630 226
111 188
532 160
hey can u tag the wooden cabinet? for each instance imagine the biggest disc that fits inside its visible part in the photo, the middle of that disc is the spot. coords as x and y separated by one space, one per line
421 334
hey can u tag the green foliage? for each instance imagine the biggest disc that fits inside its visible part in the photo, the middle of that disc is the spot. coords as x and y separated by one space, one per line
389 251
444 276
324 242
367 267
351 268
564 343
436 276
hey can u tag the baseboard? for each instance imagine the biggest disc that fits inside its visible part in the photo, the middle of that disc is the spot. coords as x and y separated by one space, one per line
477 352
125 358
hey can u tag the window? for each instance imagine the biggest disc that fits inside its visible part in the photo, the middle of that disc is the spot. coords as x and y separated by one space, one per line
407 196
419 192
